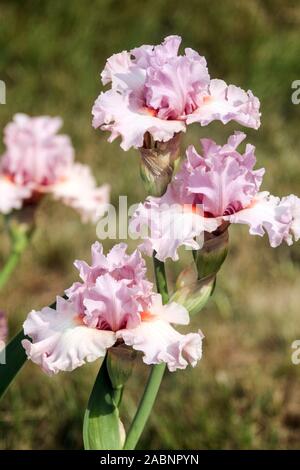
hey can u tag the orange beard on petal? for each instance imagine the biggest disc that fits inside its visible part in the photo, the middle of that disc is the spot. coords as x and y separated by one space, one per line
147 316
207 99
78 320
151 111
8 177
194 208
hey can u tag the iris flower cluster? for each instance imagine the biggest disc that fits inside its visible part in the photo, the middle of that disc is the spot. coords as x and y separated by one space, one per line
154 94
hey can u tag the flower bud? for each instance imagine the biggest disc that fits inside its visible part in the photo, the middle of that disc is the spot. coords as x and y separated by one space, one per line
191 292
157 163
213 253
120 362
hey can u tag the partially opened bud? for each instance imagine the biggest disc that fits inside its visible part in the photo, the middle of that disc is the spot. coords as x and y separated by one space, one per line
213 253
120 362
158 162
191 292
196 283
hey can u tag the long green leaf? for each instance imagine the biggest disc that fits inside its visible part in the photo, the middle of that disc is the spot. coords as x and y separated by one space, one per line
15 358
102 426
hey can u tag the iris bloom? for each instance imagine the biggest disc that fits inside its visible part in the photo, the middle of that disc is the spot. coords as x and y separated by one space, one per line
214 190
154 90
38 160
114 303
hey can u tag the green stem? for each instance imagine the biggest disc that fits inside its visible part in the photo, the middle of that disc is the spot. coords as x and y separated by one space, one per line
9 267
156 374
20 240
161 279
145 406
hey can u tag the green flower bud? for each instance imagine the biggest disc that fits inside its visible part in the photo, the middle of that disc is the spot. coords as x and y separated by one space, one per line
191 292
213 253
120 362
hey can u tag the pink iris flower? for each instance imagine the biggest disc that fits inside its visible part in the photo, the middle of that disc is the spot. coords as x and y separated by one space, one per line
113 303
219 188
155 90
38 160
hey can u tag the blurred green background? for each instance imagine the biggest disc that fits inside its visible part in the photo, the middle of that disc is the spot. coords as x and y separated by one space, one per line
245 391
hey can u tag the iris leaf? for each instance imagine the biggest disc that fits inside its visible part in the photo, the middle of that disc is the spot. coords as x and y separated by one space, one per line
102 427
14 357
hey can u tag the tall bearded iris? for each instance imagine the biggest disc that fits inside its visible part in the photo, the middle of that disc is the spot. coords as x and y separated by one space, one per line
211 191
113 304
155 91
38 160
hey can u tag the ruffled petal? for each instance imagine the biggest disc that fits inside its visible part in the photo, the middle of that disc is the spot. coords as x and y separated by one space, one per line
78 190
223 179
291 205
169 226
265 214
147 55
128 118
126 266
99 266
171 312
116 64
225 103
173 88
111 304
60 341
120 265
160 342
225 185
12 195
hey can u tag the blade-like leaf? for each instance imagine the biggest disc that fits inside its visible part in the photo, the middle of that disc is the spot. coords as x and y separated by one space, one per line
15 358
102 427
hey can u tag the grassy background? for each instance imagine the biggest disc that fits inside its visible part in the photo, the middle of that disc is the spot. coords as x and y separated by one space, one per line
245 392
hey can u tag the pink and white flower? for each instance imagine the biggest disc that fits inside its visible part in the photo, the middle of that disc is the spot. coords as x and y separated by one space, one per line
154 90
114 303
219 188
38 160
